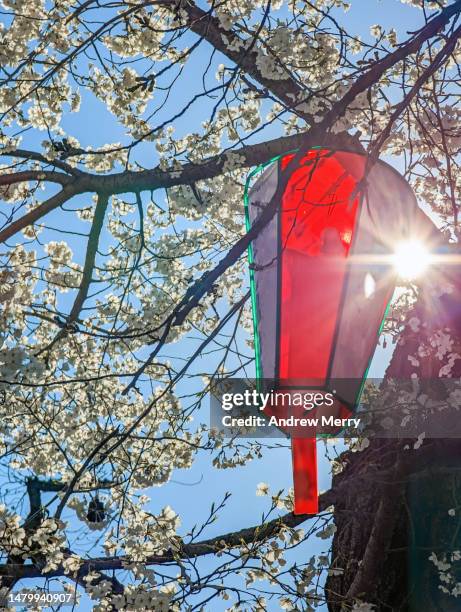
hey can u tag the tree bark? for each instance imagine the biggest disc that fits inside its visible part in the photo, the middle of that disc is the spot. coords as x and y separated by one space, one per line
393 513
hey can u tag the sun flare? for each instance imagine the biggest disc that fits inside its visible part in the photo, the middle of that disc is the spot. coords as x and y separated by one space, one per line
411 259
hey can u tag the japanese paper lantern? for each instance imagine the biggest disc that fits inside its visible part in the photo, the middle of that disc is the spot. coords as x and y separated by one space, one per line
322 276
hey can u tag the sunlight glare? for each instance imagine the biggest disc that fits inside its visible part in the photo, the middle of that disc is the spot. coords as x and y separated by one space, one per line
411 259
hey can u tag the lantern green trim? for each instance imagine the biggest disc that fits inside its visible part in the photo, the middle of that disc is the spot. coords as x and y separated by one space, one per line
257 342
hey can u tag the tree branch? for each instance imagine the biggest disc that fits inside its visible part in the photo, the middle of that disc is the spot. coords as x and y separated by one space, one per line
38 212
130 181
435 64
232 46
90 257
250 535
372 76
25 154
34 175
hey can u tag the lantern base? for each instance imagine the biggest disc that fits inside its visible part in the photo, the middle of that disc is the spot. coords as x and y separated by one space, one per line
304 457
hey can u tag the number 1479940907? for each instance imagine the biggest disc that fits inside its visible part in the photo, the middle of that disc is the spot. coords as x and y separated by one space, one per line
31 598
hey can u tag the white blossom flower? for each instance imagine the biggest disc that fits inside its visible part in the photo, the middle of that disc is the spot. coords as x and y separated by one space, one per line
262 489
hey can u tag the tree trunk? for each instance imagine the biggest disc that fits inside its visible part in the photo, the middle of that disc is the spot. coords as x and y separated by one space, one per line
395 512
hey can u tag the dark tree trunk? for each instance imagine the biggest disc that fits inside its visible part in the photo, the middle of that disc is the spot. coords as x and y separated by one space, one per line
393 512
386 530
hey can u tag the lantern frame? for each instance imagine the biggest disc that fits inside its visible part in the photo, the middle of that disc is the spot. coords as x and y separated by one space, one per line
253 291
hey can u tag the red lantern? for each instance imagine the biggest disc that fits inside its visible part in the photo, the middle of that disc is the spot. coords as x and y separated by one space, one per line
322 276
